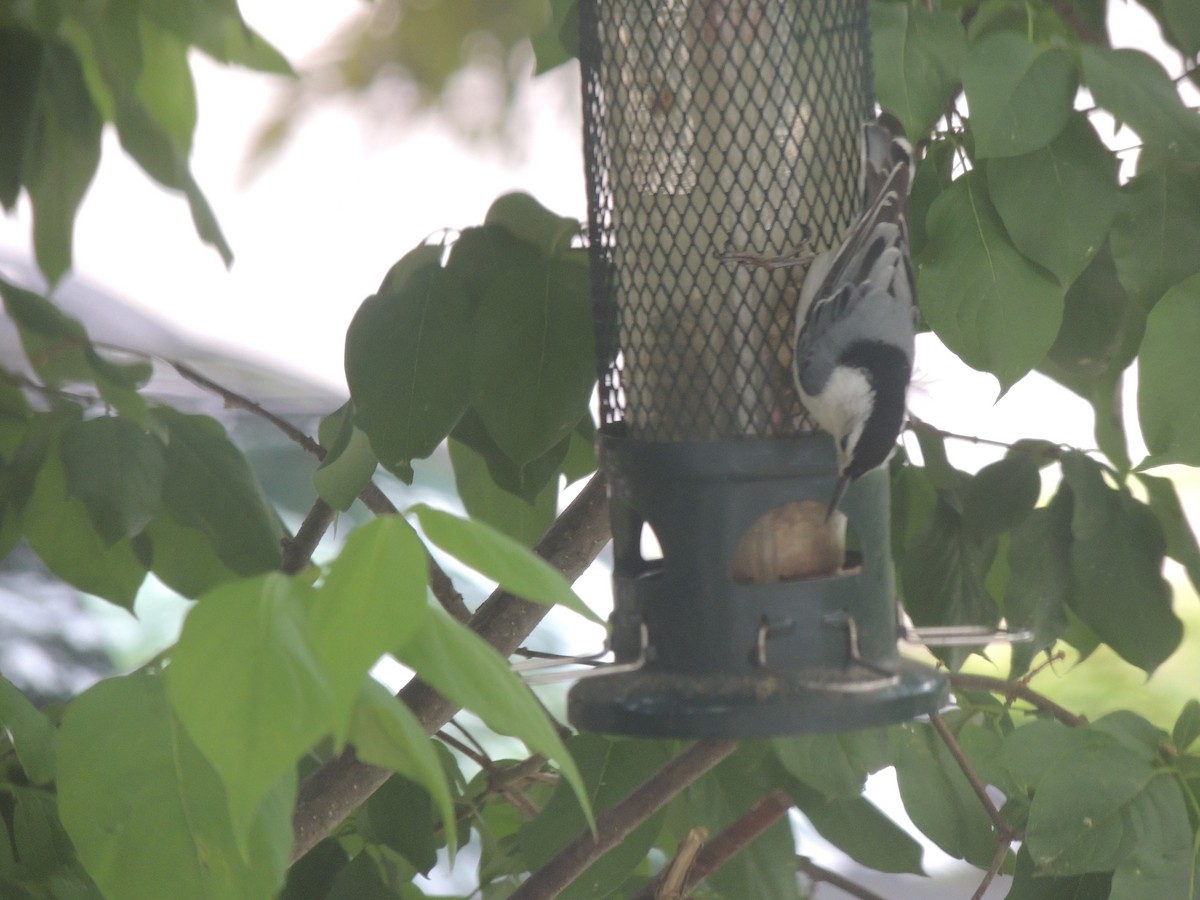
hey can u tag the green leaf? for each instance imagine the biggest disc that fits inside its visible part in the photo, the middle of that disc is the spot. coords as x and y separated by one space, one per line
243 657
486 501
464 668
764 869
1135 89
1039 562
219 30
165 85
1020 94
497 556
836 765
385 733
856 827
153 148
943 577
1181 540
371 600
54 342
349 465
1168 367
40 844
527 481
612 768
408 360
33 737
209 486
532 366
1183 20
1117 587
60 531
62 158
1187 726
116 469
1057 202
1000 496
558 41
978 293
528 220
183 558
20 64
147 813
400 816
918 57
1157 230
939 799
1030 884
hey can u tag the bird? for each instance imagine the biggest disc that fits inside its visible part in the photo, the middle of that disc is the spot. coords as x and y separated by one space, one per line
855 321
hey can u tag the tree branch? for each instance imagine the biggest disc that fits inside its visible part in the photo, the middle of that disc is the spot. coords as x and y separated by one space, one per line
615 823
761 816
818 874
1016 690
341 785
298 550
1004 831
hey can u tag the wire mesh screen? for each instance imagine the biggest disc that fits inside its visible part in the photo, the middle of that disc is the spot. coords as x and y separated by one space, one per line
713 126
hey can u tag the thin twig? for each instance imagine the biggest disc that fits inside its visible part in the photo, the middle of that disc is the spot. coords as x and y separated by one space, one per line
1003 829
818 874
298 551
1016 690
341 785
614 824
480 759
671 885
1002 848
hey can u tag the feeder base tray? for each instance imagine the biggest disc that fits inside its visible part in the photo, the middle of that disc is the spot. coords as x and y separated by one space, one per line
669 705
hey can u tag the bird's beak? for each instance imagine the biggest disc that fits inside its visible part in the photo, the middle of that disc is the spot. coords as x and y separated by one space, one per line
843 482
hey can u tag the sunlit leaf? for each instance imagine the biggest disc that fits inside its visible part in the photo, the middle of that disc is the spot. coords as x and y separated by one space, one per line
350 462
147 813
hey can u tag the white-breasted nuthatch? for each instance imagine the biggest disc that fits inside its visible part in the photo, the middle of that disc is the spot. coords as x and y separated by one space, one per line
855 320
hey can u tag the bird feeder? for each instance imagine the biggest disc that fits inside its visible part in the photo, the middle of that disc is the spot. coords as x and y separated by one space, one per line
739 610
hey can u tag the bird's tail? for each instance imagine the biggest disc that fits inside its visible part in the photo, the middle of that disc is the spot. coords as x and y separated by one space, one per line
887 159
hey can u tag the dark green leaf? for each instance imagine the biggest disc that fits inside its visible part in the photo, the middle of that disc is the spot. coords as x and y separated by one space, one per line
1000 496
611 769
530 221
979 294
408 361
350 462
116 469
219 30
1187 726
1169 367
40 844
466 669
836 765
558 41
30 732
54 342
486 501
1157 230
939 799
1057 202
493 554
62 158
527 481
1183 20
933 176
1039 561
400 815
183 558
532 366
210 487
146 812
243 657
20 66
1181 540
312 875
1117 587
856 827
371 600
943 575
1137 91
60 531
153 148
481 253
385 733
1030 884
1020 94
918 57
